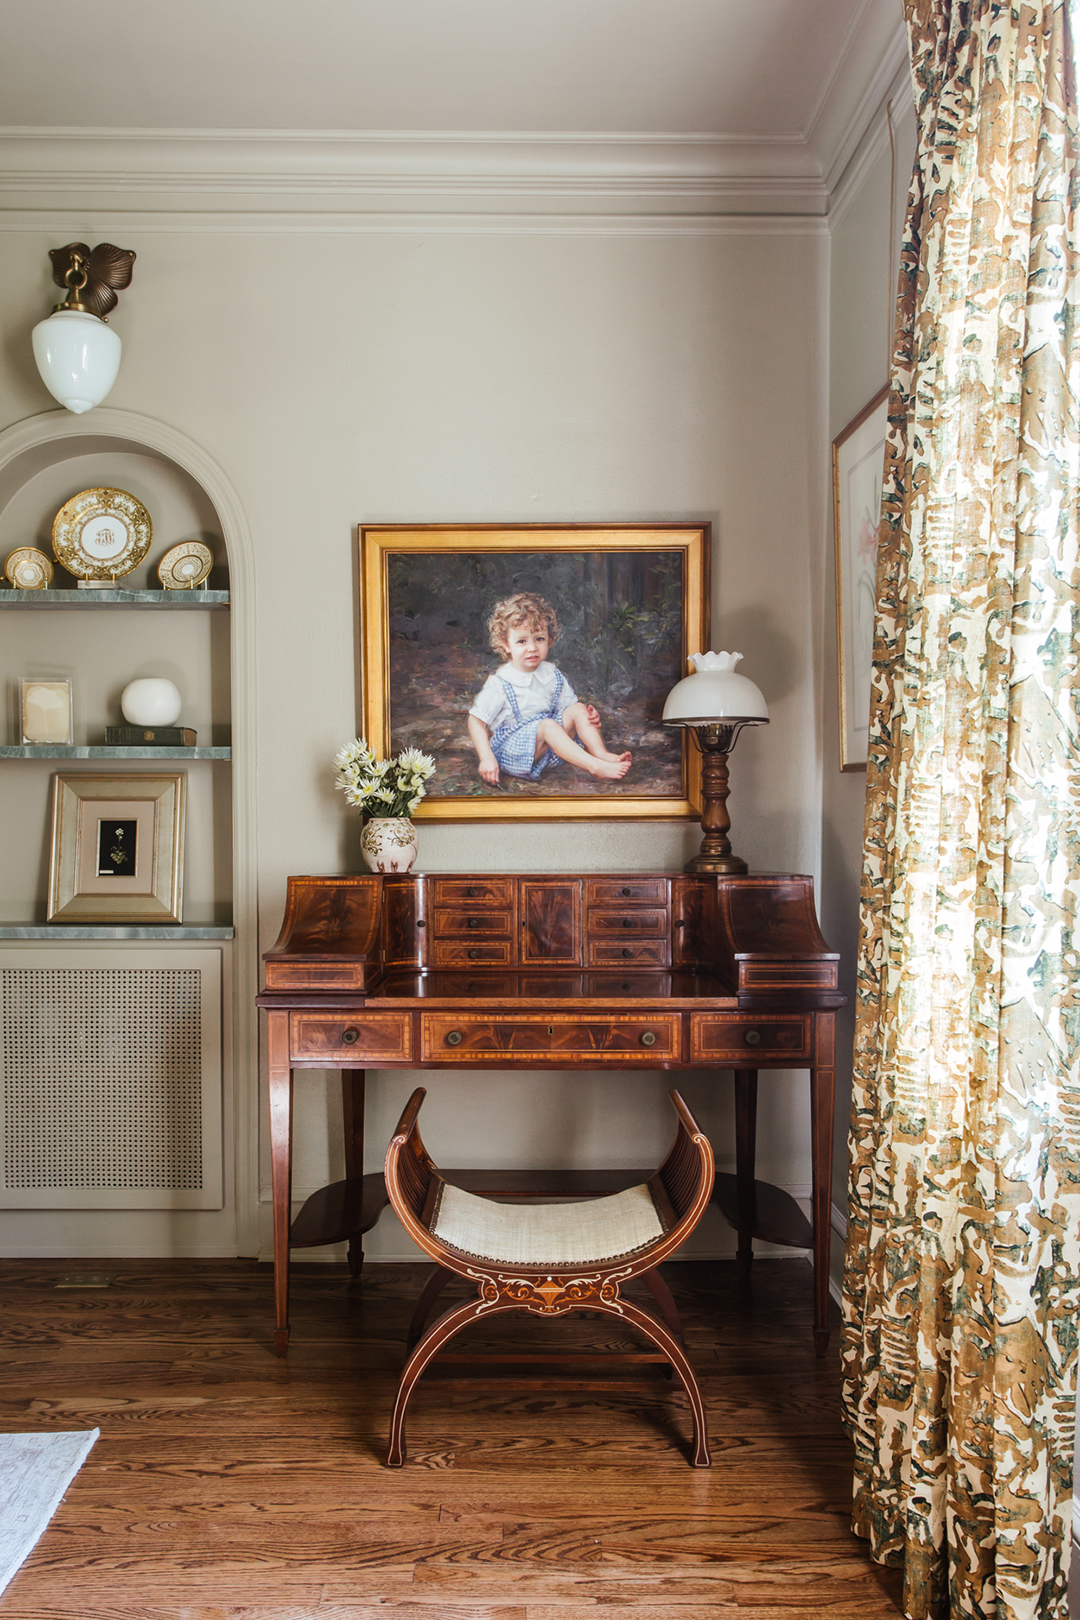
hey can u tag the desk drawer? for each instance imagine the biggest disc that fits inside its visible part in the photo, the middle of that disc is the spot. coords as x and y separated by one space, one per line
460 953
461 922
484 891
623 926
741 1037
624 891
618 1039
360 1037
634 953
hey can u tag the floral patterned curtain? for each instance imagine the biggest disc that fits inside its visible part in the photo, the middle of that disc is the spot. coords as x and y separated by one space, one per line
962 1281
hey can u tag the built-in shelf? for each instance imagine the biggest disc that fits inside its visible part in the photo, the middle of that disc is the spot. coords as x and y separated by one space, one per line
69 931
114 599
75 751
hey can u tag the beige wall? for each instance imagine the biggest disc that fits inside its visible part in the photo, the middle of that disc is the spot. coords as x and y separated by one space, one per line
413 374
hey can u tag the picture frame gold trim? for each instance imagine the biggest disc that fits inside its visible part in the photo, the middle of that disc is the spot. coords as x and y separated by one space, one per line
862 439
379 542
154 892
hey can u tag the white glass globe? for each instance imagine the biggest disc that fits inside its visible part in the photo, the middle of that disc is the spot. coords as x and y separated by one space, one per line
78 357
150 702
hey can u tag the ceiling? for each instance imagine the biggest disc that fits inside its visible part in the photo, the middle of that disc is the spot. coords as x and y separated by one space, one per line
758 69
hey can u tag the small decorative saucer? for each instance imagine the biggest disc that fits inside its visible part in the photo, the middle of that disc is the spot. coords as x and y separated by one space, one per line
29 569
102 534
185 566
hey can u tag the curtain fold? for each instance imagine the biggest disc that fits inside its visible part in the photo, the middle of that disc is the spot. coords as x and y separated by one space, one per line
962 1272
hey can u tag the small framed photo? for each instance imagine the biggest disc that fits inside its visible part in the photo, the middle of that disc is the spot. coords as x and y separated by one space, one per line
858 472
117 847
45 711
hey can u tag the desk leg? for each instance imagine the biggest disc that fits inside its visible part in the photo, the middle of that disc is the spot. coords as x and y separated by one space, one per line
745 1154
352 1108
281 1086
822 1093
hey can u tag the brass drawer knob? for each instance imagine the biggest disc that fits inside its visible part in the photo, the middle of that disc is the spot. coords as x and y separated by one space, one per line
473 954
628 891
453 1037
627 951
628 922
349 1037
473 922
648 1038
472 893
752 1037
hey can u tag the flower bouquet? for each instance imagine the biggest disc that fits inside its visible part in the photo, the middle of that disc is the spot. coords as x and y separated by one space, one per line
386 792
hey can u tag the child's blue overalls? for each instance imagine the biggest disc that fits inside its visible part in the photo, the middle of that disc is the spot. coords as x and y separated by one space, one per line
514 742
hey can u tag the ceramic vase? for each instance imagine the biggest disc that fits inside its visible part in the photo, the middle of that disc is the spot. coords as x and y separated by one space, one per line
388 843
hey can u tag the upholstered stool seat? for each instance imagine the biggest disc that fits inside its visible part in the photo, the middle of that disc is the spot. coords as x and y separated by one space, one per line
571 1234
548 1259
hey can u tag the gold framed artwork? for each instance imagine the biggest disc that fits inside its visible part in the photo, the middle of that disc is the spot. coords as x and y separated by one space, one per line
117 847
858 458
45 711
532 662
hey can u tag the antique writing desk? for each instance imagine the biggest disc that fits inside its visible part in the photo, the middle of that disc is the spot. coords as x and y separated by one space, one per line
513 970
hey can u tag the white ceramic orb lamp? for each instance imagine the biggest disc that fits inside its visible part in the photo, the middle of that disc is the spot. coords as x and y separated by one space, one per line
151 701
714 704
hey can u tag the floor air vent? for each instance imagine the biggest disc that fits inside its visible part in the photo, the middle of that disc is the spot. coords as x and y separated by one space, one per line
110 1071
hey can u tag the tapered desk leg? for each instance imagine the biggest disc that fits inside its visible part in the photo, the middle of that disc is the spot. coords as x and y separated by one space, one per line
352 1107
822 1095
277 1042
745 1155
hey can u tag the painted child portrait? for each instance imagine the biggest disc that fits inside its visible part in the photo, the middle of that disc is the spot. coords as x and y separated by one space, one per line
526 715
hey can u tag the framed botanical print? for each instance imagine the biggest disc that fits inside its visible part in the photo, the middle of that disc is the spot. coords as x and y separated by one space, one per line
858 471
117 847
532 662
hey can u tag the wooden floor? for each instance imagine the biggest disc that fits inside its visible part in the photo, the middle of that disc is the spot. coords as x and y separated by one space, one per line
227 1483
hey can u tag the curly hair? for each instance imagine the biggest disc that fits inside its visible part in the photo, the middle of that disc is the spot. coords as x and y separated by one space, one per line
525 608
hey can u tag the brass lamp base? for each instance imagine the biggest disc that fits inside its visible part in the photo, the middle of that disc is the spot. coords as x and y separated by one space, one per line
715 865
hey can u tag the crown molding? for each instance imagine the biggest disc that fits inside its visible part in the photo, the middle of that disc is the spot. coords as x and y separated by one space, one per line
309 172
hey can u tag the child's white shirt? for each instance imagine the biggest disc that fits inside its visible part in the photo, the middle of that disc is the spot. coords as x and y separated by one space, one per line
533 690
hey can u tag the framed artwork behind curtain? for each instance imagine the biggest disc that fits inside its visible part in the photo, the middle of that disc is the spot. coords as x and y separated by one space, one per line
858 457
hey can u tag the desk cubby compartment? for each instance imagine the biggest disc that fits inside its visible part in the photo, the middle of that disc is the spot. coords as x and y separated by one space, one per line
452 953
473 891
618 1038
628 951
623 891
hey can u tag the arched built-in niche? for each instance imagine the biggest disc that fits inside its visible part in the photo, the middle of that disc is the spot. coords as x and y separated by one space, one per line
44 460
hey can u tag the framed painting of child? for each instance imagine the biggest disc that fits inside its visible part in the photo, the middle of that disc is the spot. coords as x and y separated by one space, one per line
532 661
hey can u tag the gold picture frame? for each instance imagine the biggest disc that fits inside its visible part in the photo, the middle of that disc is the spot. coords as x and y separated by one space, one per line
632 601
858 466
117 847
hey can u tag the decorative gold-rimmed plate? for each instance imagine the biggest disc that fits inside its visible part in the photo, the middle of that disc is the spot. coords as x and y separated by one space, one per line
185 566
29 569
102 533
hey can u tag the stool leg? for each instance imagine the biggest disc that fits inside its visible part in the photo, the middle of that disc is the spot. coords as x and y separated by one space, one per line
658 1333
432 1289
660 1291
441 1331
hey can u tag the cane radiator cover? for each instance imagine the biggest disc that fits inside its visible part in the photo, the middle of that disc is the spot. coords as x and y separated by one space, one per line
110 1080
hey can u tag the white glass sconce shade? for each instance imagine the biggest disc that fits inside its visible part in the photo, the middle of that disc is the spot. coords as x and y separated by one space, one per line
78 357
715 695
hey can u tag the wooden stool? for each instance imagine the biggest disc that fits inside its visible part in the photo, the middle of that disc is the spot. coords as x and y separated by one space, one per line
548 1259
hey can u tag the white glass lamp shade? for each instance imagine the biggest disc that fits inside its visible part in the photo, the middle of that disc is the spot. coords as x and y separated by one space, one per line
78 357
715 695
150 702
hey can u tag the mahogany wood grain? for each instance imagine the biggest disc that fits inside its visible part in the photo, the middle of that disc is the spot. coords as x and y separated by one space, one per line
225 1484
583 972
